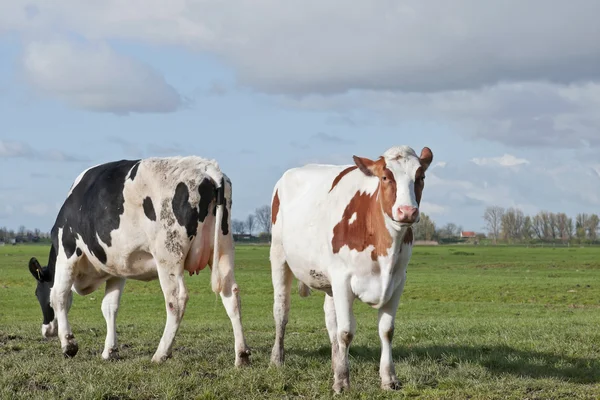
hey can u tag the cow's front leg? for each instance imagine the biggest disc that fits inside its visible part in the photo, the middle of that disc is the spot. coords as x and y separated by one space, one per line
387 316
110 307
331 323
60 300
343 299
176 298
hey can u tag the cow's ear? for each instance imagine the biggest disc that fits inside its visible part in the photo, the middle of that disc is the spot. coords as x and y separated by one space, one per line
366 165
426 157
36 269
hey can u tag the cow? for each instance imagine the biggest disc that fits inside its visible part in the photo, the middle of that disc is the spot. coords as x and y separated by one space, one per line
346 231
142 219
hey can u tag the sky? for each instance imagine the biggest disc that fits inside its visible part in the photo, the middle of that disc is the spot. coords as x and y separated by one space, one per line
506 95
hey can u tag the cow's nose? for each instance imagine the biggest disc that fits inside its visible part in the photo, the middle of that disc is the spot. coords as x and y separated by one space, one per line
408 214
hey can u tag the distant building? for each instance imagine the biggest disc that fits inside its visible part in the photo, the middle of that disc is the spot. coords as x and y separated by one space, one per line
468 235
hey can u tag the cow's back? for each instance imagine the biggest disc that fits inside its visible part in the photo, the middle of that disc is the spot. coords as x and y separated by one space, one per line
312 200
117 212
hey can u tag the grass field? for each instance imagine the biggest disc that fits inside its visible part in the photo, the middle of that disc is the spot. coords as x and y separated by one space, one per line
474 322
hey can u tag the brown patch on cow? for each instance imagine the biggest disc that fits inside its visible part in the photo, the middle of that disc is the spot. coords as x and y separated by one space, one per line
341 175
275 208
387 182
408 236
426 157
419 184
367 229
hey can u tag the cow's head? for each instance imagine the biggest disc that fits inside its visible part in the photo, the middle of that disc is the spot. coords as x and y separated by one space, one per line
42 292
401 175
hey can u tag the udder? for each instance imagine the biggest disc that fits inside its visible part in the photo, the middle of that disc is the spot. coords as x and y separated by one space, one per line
200 250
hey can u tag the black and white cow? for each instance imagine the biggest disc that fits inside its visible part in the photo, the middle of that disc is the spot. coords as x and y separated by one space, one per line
140 219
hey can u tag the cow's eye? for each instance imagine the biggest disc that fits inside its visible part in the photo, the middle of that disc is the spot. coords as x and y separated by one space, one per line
385 178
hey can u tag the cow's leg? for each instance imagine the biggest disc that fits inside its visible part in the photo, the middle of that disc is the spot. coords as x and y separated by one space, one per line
331 323
232 303
60 300
110 307
281 276
230 296
346 327
387 315
176 297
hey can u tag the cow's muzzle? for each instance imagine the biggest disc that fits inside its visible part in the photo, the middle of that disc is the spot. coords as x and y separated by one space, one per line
408 214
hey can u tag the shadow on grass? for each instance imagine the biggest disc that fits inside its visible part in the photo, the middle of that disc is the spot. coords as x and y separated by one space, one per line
496 359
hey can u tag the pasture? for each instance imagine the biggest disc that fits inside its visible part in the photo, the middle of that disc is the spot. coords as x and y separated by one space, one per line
474 322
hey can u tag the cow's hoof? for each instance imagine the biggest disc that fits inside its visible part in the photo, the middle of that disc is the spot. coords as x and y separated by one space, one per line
111 354
277 358
71 349
243 358
341 386
393 385
160 358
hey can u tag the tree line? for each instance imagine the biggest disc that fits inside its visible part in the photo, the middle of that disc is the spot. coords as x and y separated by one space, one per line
507 225
512 225
22 235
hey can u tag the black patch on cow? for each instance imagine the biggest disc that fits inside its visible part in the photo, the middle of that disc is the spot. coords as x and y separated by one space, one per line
79 252
207 193
134 171
94 208
186 215
149 209
224 221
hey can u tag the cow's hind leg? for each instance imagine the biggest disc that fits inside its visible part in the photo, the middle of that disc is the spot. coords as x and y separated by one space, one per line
176 297
110 307
60 300
281 276
346 327
230 296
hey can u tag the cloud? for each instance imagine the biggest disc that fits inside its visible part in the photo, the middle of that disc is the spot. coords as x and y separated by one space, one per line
528 114
327 47
138 150
11 149
217 89
17 149
38 209
432 208
507 160
332 139
93 77
164 150
322 137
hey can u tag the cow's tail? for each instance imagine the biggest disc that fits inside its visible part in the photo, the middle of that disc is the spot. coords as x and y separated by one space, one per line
215 276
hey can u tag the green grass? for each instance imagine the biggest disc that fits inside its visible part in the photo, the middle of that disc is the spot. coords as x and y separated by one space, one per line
474 322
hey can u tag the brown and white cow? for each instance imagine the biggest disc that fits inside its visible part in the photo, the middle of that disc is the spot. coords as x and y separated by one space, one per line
147 219
346 230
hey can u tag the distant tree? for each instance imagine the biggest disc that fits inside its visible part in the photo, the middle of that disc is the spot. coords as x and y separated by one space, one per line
570 228
449 230
424 229
250 223
581 225
512 224
527 232
263 218
493 218
563 222
592 227
238 226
